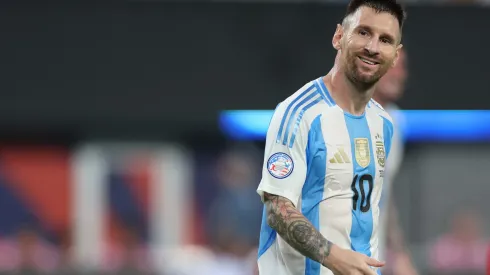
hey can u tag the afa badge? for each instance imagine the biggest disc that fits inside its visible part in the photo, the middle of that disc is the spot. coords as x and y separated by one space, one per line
280 165
380 153
362 152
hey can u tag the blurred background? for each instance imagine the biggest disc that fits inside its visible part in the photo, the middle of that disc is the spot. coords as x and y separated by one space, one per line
116 158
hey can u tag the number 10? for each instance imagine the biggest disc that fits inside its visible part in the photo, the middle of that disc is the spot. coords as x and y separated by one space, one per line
364 200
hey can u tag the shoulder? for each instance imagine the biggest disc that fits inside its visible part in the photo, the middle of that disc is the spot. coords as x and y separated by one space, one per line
294 116
387 121
304 105
380 111
301 96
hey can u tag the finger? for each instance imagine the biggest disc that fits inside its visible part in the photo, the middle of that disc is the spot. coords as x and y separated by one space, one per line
368 271
374 262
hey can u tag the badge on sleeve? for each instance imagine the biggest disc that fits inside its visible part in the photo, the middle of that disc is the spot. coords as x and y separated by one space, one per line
280 165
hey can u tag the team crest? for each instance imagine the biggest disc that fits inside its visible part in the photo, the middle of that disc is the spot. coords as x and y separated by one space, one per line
380 153
280 165
362 152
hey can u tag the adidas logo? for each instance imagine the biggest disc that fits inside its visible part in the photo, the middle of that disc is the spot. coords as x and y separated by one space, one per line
340 157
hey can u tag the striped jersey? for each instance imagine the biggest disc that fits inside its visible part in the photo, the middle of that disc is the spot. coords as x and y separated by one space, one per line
331 165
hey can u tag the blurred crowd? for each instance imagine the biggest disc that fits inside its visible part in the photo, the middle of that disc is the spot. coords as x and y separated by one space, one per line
231 213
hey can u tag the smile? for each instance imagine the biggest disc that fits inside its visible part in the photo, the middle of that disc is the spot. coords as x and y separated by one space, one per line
367 61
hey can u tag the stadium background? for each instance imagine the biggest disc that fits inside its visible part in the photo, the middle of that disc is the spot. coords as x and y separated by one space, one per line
112 159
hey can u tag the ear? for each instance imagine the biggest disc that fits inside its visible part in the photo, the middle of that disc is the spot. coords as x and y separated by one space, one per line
397 55
337 37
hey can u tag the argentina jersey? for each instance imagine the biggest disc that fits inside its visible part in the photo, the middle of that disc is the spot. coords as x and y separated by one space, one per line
330 164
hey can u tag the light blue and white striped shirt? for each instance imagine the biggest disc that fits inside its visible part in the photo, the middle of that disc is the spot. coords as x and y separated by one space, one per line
331 165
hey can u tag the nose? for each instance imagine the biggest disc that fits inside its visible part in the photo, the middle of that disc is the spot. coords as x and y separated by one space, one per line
372 47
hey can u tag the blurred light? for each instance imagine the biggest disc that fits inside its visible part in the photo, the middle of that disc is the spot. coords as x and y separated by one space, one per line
415 125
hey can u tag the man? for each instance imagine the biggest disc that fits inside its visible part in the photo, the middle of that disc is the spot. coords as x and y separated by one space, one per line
388 90
326 149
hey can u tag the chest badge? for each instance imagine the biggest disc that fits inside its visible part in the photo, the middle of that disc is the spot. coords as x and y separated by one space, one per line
362 152
380 151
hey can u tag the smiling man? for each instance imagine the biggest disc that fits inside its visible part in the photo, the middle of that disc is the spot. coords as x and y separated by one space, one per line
325 156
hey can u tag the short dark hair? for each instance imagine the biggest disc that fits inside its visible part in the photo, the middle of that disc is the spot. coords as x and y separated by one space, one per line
389 6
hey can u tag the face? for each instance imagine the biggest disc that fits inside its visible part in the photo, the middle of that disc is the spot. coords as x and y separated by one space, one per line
369 44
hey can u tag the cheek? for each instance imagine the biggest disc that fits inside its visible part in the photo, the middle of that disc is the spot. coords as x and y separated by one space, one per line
349 49
351 42
388 53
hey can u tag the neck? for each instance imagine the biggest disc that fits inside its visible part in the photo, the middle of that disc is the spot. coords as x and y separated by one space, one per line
350 97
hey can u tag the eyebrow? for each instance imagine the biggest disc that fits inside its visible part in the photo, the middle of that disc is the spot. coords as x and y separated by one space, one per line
384 34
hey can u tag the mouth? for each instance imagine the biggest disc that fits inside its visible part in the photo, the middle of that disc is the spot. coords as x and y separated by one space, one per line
368 61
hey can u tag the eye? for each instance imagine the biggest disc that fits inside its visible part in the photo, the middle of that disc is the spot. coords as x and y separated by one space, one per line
363 32
386 40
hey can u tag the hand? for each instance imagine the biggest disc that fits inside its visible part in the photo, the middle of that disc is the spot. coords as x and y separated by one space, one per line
348 262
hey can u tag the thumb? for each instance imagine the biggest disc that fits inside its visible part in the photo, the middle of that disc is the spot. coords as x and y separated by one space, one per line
374 262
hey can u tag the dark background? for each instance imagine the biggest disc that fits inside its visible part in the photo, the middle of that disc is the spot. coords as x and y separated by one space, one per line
163 69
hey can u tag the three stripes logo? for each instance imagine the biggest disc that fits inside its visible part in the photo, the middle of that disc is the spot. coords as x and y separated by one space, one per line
340 157
296 109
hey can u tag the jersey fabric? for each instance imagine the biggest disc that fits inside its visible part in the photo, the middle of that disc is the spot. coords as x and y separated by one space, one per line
330 164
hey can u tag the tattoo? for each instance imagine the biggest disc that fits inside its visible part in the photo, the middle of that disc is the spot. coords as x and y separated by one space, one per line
295 229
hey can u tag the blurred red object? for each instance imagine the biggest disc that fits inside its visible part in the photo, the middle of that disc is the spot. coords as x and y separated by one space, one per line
488 260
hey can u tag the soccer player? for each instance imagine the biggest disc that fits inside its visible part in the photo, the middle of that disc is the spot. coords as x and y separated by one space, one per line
325 155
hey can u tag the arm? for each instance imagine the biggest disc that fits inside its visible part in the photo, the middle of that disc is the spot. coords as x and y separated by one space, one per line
299 233
280 192
295 229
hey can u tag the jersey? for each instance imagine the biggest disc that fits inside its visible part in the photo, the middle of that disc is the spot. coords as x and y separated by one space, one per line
330 164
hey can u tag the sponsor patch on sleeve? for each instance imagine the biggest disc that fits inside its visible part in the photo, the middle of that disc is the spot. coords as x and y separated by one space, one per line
280 165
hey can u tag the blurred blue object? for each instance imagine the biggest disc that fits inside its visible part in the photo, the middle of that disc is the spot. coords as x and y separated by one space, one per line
415 125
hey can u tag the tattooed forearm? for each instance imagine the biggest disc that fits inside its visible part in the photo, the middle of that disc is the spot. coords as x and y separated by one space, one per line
295 229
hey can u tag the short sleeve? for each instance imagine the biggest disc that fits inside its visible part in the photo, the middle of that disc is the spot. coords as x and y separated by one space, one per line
284 168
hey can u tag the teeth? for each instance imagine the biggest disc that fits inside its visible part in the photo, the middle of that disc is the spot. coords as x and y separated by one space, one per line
367 61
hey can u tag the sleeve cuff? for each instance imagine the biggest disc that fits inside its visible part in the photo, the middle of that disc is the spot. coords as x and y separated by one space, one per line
278 192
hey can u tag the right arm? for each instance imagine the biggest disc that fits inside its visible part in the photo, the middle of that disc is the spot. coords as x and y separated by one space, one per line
280 192
295 229
300 234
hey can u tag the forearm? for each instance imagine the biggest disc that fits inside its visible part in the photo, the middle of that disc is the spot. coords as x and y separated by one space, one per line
295 229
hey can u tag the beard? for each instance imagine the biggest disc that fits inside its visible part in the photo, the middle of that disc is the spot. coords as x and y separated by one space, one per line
361 77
